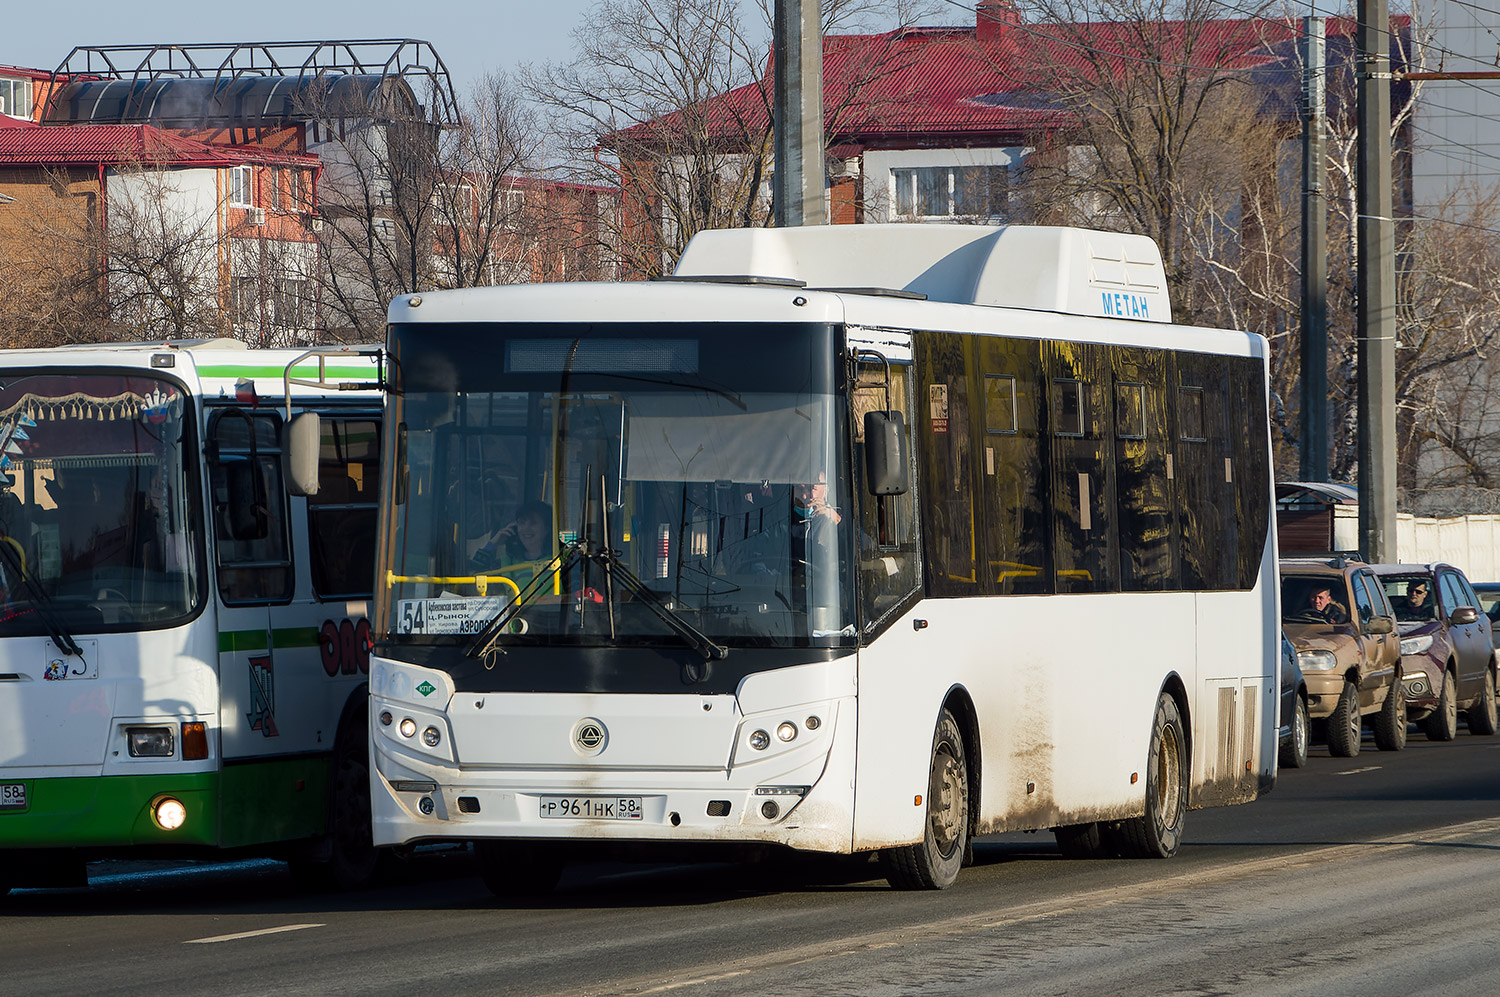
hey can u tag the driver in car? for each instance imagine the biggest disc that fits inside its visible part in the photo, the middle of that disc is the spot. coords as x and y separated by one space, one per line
1323 604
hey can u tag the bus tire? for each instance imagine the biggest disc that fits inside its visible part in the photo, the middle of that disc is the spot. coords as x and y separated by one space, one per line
1390 723
518 868
1084 841
1344 727
1157 833
350 860
1482 718
934 862
1442 723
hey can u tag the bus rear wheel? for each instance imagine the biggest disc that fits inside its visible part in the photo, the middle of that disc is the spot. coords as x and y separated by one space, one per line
1157 833
933 863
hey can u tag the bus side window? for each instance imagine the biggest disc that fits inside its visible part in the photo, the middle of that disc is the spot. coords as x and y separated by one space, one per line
1012 466
887 535
1204 474
1252 509
943 438
341 516
251 549
1144 488
1085 540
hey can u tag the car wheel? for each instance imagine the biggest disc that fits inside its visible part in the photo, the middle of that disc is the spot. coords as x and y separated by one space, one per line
1390 722
1442 723
1157 833
1482 719
1294 752
1344 728
933 862
518 868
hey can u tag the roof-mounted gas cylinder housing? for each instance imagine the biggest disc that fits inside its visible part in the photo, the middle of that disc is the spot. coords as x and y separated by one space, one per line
1071 270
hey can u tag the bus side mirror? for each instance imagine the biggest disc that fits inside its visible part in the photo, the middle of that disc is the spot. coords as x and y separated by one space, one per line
301 440
885 453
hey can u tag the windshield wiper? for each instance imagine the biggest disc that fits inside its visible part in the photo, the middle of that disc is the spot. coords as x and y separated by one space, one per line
41 602
609 559
488 637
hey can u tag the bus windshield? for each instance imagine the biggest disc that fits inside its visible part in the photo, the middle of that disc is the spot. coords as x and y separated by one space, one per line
96 514
636 482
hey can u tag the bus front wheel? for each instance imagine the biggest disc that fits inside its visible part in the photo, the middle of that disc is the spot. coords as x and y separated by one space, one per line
933 863
1157 833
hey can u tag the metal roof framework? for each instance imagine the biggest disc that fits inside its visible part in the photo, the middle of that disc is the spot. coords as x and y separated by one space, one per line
231 65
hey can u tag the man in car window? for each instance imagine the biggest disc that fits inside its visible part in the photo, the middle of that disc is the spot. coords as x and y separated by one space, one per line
1322 602
1418 606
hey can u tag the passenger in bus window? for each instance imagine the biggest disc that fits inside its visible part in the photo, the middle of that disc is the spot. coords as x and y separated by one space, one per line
1323 603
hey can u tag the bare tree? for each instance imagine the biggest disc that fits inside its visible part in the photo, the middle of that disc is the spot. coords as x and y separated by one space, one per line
1157 110
51 261
484 233
670 99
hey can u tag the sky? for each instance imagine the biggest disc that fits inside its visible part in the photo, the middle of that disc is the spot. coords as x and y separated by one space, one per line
472 37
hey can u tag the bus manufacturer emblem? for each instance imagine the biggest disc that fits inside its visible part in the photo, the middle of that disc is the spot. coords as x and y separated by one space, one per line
589 736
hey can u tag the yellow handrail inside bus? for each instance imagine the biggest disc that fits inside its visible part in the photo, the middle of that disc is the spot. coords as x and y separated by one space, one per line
481 582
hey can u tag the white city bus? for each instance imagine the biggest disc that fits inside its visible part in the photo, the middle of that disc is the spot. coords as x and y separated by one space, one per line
856 539
183 645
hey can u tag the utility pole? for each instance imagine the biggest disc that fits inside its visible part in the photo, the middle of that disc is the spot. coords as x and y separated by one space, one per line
1314 437
1376 315
797 188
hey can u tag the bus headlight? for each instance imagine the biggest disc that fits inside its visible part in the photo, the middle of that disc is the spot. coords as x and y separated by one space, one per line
149 742
431 736
168 812
408 727
760 740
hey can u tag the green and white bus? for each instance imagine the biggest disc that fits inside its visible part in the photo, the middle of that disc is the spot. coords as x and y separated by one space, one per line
183 643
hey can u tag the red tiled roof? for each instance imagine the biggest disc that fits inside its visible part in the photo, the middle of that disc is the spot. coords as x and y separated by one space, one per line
23 143
31 74
918 82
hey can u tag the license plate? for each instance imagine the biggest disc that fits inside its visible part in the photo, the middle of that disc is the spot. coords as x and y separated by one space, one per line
13 796
591 807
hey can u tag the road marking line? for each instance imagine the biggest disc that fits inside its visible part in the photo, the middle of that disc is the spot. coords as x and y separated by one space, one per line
1367 768
249 934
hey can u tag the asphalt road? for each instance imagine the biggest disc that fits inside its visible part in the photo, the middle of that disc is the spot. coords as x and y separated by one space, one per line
1374 875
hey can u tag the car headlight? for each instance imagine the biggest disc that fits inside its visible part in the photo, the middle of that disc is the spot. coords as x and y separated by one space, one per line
1416 645
1317 661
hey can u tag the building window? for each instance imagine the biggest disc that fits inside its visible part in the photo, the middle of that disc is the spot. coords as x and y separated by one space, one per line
241 189
244 302
952 191
291 304
293 190
15 98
